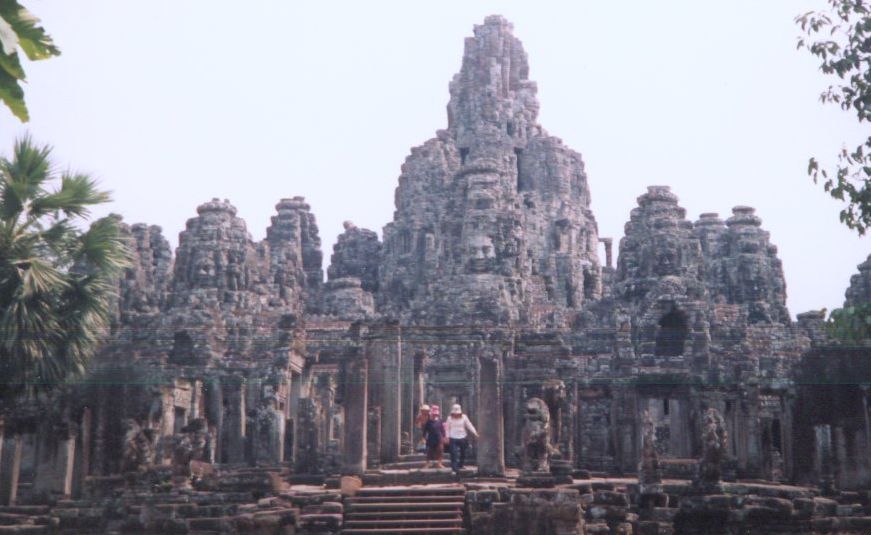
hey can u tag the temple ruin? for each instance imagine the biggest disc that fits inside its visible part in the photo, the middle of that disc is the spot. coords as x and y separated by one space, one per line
242 391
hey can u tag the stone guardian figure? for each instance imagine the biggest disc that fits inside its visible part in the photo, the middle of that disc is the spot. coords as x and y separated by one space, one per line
139 448
536 436
714 438
649 471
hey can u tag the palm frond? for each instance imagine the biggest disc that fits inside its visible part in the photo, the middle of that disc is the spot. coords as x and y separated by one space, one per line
59 236
77 192
38 277
22 178
102 248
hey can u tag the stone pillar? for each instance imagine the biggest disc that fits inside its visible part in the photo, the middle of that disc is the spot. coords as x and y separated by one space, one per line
867 422
234 428
384 354
196 400
64 463
839 443
407 391
293 404
99 459
356 418
373 437
823 457
167 411
10 468
214 403
83 459
754 435
491 424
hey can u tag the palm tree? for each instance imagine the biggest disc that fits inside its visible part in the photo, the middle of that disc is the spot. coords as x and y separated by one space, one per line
57 281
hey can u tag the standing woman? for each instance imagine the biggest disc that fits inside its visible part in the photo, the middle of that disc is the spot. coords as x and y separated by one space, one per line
434 433
422 419
458 428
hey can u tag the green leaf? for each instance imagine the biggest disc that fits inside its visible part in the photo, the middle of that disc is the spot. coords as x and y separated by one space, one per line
11 65
12 95
8 37
32 38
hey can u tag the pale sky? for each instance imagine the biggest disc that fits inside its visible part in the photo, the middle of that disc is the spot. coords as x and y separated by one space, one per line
170 103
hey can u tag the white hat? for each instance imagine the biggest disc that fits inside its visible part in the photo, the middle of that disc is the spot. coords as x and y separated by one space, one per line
424 407
456 409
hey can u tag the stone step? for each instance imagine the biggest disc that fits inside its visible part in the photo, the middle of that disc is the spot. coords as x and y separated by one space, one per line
389 515
404 465
401 531
406 506
406 523
25 509
380 478
416 498
23 530
425 490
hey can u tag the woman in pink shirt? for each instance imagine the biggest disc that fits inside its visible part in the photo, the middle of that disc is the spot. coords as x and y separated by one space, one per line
458 426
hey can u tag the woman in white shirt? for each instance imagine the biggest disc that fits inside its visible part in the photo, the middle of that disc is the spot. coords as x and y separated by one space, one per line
458 426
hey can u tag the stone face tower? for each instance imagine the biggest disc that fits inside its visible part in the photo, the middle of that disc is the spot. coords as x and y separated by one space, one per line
493 223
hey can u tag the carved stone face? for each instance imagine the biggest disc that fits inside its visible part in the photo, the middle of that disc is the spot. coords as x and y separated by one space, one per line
555 392
481 254
204 269
752 280
536 411
666 257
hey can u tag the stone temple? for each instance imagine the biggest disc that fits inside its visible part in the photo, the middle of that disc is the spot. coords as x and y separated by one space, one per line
241 391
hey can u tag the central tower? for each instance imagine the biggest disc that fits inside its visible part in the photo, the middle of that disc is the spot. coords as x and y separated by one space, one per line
493 224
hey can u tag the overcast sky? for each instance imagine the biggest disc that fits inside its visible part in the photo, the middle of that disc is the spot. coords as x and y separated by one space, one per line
170 103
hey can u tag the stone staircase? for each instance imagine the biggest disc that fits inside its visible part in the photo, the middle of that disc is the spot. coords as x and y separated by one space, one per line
409 470
25 519
419 510
407 462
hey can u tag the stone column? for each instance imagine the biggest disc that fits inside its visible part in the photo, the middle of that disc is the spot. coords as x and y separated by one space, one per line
167 411
373 437
754 436
64 463
356 418
234 428
823 457
867 423
491 424
839 443
215 414
83 459
293 404
10 468
99 458
196 400
407 390
384 354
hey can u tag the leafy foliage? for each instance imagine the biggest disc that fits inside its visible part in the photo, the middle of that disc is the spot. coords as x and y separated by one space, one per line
57 282
841 38
851 324
19 29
